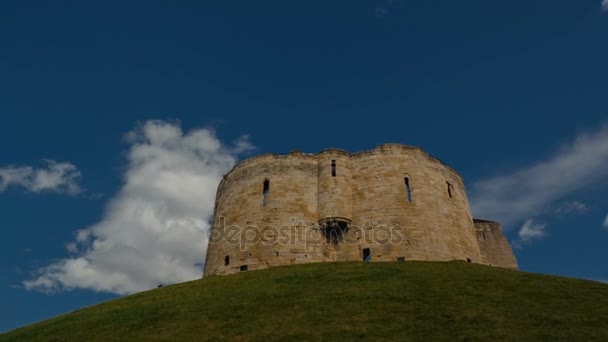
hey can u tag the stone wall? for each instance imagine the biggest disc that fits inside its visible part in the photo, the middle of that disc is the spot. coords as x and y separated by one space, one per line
494 247
337 206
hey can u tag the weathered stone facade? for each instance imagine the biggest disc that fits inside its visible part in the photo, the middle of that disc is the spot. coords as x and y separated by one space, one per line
393 203
494 247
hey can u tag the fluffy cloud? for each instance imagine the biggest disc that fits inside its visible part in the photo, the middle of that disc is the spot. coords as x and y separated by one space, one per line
55 177
529 232
605 5
153 230
531 190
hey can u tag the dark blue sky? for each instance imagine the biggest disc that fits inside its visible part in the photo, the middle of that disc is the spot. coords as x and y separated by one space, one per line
493 88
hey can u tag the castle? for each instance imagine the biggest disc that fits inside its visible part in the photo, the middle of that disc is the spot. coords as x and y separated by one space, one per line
392 203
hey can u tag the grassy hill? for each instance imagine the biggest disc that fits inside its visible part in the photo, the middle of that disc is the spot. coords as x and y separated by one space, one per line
345 301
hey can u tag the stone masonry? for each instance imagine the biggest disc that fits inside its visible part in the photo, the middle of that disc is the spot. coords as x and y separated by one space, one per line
392 203
494 247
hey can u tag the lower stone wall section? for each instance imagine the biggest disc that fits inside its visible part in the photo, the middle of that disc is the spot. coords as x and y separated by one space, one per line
493 245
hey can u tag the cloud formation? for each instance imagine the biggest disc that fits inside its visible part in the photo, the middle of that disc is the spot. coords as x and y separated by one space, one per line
54 177
530 191
572 207
153 230
529 232
605 5
606 222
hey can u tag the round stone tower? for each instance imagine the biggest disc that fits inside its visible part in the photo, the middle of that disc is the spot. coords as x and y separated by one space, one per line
393 203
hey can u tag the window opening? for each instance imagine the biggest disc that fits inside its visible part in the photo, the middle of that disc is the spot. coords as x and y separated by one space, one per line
367 255
409 189
334 230
333 168
227 260
449 189
265 190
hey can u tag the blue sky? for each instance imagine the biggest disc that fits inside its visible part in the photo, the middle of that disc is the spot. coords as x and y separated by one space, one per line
103 105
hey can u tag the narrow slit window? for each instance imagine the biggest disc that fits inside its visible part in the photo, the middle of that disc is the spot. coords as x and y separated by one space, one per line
265 191
409 189
227 260
266 187
333 168
449 189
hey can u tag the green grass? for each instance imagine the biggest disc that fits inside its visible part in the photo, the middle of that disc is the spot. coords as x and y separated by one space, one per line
345 301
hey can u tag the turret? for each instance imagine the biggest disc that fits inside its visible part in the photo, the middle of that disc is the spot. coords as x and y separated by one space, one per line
334 193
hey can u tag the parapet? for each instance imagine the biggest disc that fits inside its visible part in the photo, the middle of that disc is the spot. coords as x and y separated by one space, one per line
382 148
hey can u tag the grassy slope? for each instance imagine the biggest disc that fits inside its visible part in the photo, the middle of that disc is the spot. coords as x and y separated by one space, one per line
412 300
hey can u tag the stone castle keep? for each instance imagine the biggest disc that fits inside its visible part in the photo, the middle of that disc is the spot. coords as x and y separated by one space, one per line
392 203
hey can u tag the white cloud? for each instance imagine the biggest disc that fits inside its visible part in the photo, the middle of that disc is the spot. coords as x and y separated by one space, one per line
153 230
55 177
529 232
572 207
605 5
606 222
533 189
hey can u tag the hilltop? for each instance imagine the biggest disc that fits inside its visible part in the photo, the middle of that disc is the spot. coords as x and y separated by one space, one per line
345 301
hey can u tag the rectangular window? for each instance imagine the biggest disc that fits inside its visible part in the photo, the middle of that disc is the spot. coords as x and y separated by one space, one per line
367 255
333 168
449 189
409 190
265 191
266 187
244 268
